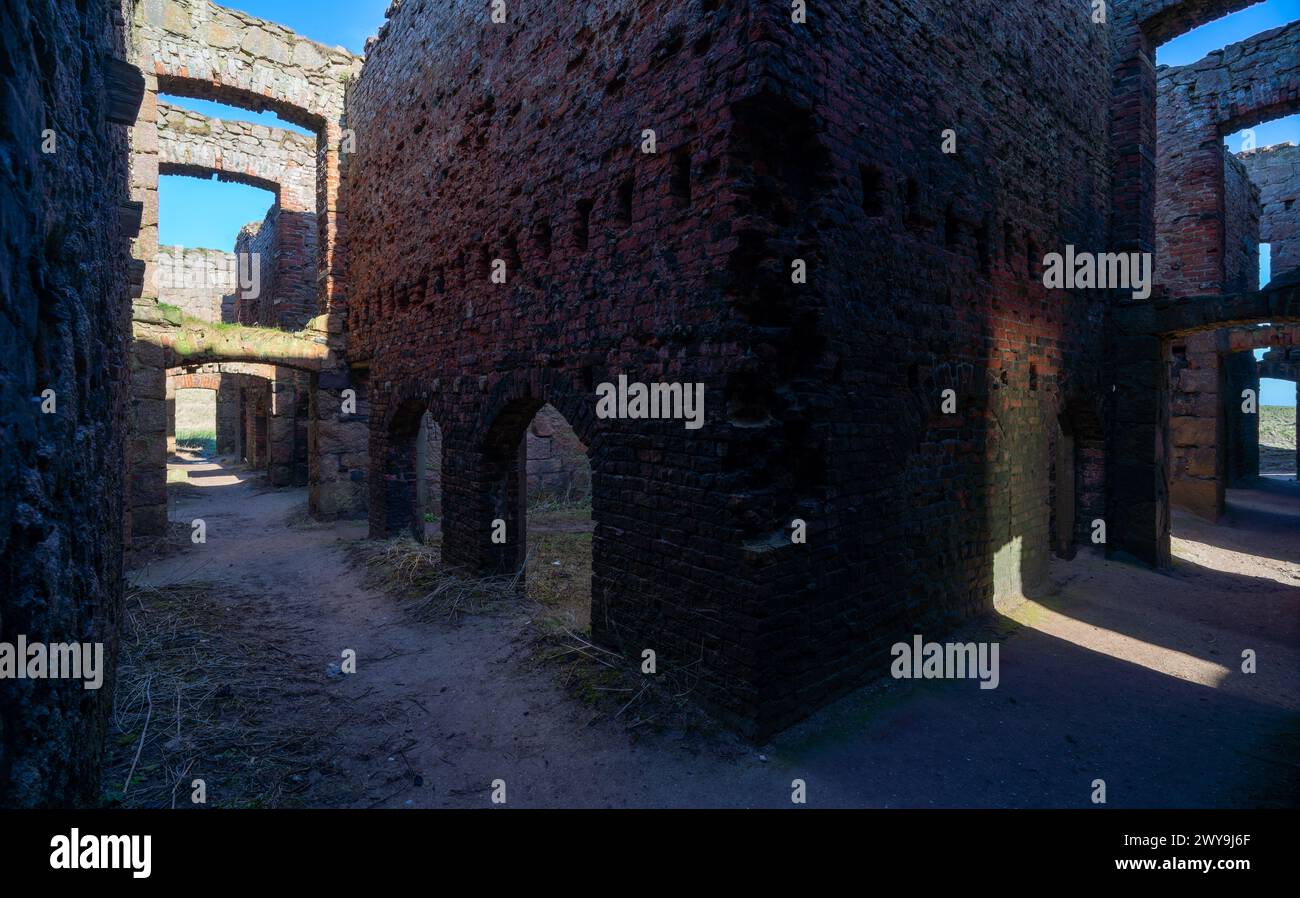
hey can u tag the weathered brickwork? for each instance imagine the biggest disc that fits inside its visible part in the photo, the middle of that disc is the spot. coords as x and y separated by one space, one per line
1208 225
1242 210
1275 171
274 159
1240 86
64 279
1204 421
256 246
676 267
798 241
1137 467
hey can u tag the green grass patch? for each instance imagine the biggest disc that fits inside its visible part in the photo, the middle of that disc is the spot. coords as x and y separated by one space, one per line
559 578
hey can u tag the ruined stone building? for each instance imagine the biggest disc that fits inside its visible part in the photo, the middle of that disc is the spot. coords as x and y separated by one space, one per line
841 232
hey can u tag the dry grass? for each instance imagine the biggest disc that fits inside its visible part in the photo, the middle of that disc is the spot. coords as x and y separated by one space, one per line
557 610
411 572
1277 426
559 596
549 512
559 577
198 697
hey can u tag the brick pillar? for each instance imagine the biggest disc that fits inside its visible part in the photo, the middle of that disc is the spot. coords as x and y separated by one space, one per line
478 490
422 464
171 415
329 222
1196 427
144 183
1241 373
1137 500
1133 137
146 483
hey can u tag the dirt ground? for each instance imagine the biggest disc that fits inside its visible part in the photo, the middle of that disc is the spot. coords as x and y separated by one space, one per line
1114 673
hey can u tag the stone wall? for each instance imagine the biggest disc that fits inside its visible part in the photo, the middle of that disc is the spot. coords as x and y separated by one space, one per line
274 159
1276 171
1212 443
64 271
195 280
676 266
194 48
228 54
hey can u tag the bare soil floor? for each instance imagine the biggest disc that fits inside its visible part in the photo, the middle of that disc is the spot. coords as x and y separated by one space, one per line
1114 673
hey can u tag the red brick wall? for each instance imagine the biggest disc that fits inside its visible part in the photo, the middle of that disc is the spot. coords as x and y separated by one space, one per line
477 142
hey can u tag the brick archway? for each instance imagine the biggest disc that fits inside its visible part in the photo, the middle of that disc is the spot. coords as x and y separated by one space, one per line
196 382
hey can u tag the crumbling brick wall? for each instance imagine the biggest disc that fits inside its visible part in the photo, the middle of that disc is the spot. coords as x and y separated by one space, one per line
65 266
255 245
1208 229
520 142
1240 86
1276 171
1206 425
274 159
1242 212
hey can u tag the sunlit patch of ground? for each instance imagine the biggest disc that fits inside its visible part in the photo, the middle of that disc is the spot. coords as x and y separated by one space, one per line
1277 440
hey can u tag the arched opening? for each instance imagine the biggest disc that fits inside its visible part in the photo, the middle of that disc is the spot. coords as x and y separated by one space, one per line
1078 479
428 462
405 471
1277 458
195 422
538 487
559 520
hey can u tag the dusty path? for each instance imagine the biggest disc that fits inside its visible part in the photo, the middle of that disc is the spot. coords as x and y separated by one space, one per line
1119 674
